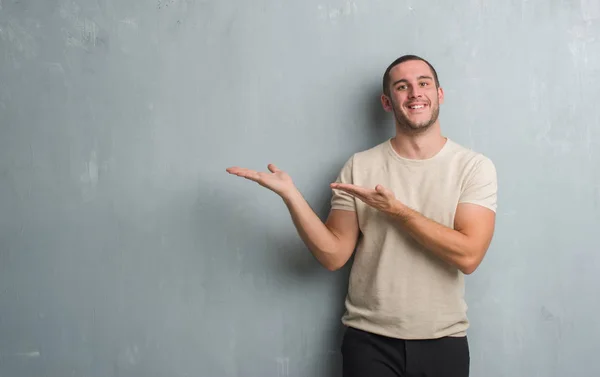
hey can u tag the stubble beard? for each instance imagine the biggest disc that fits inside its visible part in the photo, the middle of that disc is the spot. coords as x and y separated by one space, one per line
409 127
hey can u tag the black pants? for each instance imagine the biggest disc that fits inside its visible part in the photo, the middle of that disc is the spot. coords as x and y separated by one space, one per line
370 355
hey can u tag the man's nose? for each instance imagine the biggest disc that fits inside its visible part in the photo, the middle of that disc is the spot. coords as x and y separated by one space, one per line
415 92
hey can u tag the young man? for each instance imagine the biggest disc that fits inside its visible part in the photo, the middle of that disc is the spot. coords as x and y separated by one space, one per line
420 211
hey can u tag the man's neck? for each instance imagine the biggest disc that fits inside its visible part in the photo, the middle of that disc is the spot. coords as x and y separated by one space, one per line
419 146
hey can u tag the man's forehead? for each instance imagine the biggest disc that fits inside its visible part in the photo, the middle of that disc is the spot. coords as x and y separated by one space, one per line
410 69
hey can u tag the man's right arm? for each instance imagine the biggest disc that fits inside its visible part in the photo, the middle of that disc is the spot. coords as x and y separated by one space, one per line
331 242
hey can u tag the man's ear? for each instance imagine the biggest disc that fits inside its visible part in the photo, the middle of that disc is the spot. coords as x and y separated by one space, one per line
441 95
386 103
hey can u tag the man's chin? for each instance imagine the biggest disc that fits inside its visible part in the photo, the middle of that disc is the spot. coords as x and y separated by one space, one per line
416 127
418 121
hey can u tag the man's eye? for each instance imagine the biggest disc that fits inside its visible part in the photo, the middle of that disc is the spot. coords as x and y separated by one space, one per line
401 87
424 84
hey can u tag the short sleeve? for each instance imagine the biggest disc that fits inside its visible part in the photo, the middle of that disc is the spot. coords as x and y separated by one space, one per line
340 199
481 186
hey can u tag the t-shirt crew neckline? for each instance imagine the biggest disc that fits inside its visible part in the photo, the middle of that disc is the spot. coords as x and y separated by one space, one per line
405 160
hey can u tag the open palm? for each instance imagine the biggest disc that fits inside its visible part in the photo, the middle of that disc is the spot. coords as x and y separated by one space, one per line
276 180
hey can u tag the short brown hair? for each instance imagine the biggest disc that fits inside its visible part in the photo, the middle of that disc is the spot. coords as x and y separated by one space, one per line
402 59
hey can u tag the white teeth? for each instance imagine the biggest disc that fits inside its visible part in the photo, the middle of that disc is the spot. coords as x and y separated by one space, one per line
417 107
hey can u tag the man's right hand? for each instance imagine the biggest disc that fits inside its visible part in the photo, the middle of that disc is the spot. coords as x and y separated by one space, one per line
277 180
332 242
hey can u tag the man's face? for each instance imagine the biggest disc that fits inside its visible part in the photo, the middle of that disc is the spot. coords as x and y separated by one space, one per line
414 98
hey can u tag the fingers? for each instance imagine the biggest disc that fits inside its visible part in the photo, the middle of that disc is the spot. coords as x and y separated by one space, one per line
351 189
251 174
235 170
338 186
355 191
362 192
243 172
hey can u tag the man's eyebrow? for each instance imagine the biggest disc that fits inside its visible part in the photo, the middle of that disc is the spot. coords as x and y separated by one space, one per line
418 78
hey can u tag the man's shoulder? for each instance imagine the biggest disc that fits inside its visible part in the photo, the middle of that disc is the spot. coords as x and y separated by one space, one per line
464 155
364 160
469 163
377 151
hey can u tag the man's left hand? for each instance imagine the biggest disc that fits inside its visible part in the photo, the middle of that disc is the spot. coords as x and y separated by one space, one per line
380 198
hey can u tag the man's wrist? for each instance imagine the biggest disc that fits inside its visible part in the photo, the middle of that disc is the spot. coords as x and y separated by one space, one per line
291 195
400 211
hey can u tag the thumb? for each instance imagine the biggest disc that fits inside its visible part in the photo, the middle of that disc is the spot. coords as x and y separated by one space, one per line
382 190
273 168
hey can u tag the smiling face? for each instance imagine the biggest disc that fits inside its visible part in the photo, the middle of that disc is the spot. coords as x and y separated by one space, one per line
413 96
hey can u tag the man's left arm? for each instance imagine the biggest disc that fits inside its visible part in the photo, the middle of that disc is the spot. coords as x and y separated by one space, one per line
465 244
